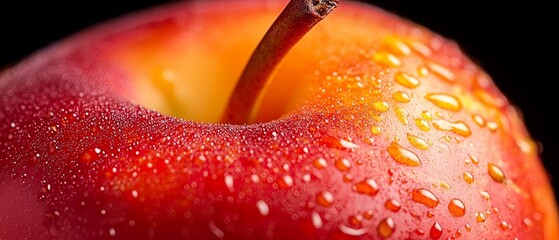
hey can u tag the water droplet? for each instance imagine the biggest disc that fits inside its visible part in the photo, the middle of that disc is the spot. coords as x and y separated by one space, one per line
215 230
490 99
456 207
392 205
134 193
112 232
316 220
262 207
368 214
403 155
367 187
352 231
421 48
387 59
348 144
504 225
468 227
228 179
356 221
468 177
401 97
347 178
527 222
397 45
200 160
406 80
425 197
402 115
422 124
320 163
458 127
285 182
526 145
442 72
381 106
325 199
430 214
418 142
457 234
376 130
474 159
342 164
422 71
492 126
436 231
444 101
485 195
386 227
478 120
480 217
496 173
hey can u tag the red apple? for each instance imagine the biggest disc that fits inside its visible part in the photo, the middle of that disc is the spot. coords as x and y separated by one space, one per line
370 127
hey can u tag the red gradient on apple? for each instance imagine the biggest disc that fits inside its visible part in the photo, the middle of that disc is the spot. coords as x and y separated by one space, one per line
371 127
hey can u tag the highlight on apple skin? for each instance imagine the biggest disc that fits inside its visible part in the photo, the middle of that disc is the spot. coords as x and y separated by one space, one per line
371 127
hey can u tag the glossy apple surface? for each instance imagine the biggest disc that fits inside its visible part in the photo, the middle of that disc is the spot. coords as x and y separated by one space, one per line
381 129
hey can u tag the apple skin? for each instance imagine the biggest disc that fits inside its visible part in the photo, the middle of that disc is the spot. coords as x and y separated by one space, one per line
79 157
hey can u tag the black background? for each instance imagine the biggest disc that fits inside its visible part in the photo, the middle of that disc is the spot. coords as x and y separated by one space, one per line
512 41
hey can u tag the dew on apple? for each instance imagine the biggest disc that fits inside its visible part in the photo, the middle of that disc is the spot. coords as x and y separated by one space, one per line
316 220
457 127
496 173
425 197
422 124
320 163
325 199
347 178
376 130
387 59
492 126
367 187
417 142
436 231
285 182
402 155
480 217
356 221
352 231
485 195
402 115
401 97
504 225
262 207
456 207
420 48
392 205
386 227
381 106
478 120
442 72
342 164
444 101
348 144
468 177
215 230
406 80
397 45
430 214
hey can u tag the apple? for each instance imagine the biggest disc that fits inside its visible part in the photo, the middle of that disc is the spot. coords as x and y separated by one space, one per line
368 126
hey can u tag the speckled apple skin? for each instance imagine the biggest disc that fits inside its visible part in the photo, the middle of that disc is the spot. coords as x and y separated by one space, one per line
392 128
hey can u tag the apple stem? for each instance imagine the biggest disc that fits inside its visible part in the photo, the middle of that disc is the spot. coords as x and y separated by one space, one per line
298 17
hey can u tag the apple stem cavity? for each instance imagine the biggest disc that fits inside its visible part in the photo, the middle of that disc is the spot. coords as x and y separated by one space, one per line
298 17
